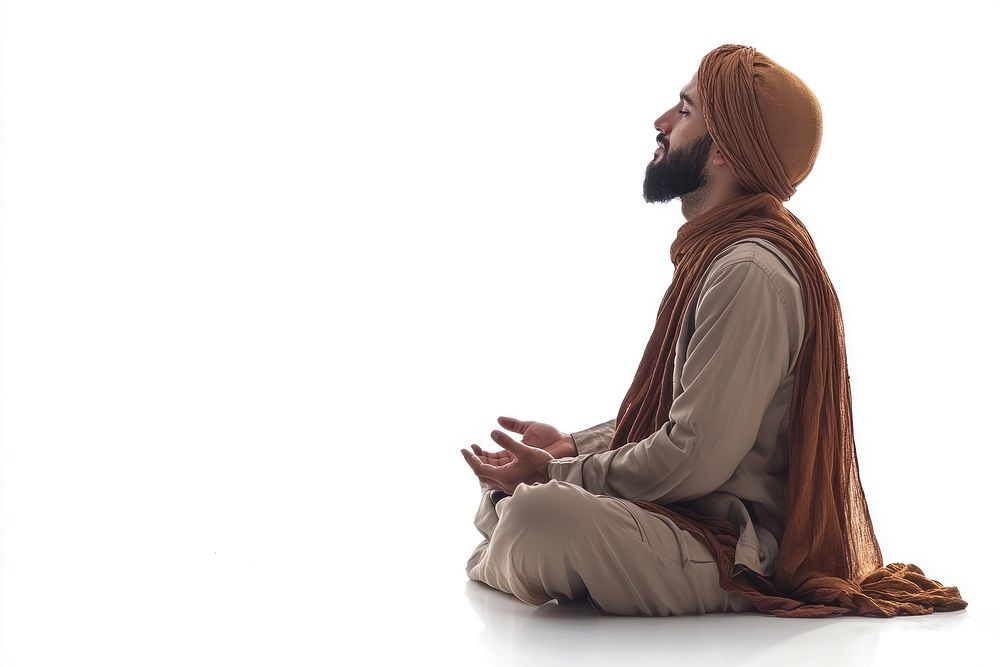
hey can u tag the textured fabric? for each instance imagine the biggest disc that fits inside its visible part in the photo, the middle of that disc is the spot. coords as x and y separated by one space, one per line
764 119
594 439
768 125
829 561
741 332
558 541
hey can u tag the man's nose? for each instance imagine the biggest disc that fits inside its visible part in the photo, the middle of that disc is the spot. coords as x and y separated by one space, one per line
664 123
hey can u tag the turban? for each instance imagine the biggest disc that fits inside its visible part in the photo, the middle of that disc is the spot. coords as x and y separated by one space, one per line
767 124
764 119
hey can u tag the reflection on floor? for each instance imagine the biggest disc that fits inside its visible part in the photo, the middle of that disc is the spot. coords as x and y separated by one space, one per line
513 630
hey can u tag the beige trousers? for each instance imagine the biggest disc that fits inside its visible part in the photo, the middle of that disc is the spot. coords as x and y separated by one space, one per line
559 541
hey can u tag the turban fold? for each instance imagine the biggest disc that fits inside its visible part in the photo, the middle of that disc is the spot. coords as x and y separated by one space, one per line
767 124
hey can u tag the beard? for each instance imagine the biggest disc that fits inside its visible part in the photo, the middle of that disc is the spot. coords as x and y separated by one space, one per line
678 173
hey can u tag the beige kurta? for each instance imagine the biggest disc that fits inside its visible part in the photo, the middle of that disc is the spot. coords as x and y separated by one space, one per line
724 448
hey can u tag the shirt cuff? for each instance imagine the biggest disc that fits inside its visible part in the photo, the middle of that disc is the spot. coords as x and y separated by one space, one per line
594 439
568 468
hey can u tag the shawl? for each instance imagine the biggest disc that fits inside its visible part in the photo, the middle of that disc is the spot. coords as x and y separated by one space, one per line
768 125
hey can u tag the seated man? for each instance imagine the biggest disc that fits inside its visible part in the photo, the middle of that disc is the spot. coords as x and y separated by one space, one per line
736 434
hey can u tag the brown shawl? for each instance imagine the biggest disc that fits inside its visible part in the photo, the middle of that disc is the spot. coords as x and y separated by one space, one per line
829 561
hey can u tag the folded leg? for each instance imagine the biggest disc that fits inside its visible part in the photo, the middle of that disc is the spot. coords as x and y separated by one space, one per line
557 540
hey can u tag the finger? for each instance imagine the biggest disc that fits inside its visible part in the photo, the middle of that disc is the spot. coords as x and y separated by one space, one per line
515 425
508 443
472 460
475 463
497 458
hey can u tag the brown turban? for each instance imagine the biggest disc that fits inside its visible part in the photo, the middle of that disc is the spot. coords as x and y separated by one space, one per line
764 119
767 124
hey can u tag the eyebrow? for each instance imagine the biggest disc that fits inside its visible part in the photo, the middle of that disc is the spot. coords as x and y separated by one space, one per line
687 98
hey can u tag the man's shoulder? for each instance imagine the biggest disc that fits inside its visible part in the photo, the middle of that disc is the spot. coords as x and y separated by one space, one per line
761 251
757 258
773 262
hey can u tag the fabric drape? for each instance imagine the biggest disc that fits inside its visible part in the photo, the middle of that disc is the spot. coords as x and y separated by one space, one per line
829 560
768 125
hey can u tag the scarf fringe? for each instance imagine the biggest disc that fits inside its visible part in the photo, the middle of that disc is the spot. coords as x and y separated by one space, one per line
896 589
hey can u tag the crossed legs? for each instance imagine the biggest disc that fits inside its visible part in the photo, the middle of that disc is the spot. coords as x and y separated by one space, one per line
556 540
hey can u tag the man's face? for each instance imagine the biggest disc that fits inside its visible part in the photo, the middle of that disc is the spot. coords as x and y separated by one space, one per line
679 163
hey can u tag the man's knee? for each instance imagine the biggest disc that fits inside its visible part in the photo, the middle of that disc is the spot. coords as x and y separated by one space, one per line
554 508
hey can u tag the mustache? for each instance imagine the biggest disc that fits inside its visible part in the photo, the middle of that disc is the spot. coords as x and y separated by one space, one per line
661 139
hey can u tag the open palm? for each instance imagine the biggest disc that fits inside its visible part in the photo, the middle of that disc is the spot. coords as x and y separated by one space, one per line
537 434
529 465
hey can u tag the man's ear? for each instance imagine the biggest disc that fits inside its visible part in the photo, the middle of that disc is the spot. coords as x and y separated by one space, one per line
717 157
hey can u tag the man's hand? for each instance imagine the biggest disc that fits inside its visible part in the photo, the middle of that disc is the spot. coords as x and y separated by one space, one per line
528 465
536 434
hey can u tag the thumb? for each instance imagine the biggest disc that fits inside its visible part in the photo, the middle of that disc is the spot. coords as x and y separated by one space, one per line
509 443
515 425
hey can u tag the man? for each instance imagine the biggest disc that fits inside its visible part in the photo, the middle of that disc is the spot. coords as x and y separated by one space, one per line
679 504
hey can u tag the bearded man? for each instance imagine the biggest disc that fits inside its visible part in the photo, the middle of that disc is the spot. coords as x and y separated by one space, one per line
728 481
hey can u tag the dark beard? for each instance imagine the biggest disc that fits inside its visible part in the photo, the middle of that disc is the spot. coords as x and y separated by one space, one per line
679 173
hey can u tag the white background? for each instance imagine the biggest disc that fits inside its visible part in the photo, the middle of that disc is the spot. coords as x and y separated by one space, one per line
268 266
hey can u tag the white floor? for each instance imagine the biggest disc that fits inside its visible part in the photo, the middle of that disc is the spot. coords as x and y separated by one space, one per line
511 630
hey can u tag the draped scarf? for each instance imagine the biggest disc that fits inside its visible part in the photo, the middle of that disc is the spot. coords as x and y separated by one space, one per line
829 561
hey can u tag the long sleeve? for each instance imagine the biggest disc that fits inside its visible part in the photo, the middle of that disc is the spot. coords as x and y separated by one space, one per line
737 355
594 439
